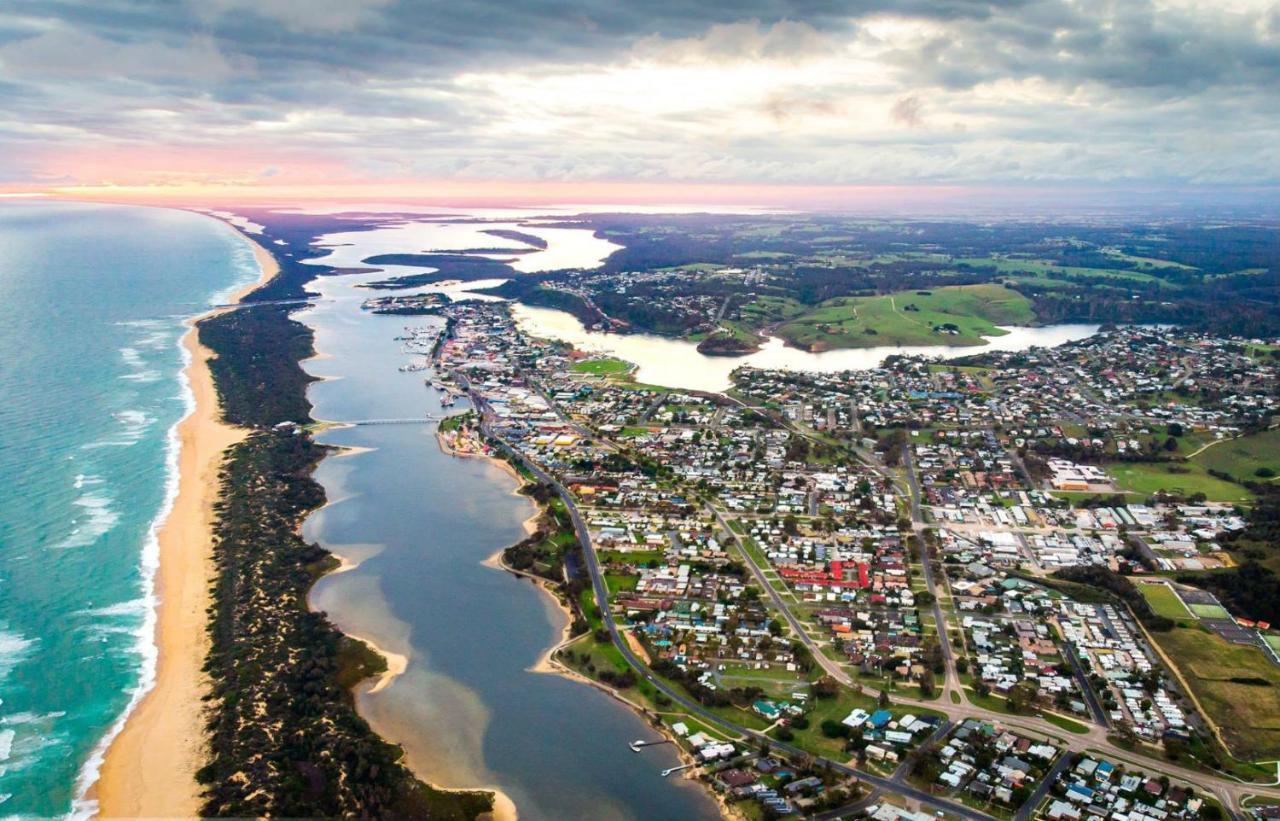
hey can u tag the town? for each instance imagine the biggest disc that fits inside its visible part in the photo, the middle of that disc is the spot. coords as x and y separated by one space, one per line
924 587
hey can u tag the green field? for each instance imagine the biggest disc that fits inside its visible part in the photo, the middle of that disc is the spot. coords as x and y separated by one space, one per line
618 583
1164 602
1243 457
1152 477
1068 724
1146 262
765 310
953 315
602 367
1044 269
631 557
1210 611
737 330
1237 686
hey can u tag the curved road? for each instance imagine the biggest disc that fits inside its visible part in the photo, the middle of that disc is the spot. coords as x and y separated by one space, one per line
896 784
1229 791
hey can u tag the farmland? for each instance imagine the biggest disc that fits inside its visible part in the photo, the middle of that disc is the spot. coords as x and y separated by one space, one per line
956 315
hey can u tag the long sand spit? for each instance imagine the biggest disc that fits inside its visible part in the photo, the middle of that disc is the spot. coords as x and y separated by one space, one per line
150 767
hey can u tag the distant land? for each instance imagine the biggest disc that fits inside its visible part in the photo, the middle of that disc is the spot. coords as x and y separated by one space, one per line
825 282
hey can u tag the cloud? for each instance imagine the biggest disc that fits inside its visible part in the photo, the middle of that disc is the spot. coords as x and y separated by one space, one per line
907 110
805 91
741 41
327 16
65 53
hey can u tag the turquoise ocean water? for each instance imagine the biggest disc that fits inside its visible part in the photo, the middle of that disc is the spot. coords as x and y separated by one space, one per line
92 301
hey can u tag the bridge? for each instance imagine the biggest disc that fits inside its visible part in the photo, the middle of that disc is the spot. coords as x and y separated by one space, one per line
417 420
233 306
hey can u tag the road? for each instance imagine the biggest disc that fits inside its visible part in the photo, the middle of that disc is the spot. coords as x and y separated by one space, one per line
1090 697
653 408
901 787
1060 766
1229 791
830 667
951 681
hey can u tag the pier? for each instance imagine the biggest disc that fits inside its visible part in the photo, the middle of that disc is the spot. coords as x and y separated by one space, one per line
639 744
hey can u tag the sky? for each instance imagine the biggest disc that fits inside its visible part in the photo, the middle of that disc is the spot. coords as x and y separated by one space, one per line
639 99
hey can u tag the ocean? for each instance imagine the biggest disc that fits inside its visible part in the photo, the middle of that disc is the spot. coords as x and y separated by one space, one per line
93 298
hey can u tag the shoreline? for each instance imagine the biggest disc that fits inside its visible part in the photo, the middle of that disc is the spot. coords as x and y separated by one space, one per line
503 808
547 664
148 767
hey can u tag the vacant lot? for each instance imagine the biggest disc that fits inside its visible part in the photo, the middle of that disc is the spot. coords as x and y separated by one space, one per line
1150 478
1237 685
1244 457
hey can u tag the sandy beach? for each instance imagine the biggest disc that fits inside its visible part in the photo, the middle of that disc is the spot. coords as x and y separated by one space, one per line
149 769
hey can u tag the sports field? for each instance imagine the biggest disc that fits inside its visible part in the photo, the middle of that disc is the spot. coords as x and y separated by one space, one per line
602 367
1164 601
1150 478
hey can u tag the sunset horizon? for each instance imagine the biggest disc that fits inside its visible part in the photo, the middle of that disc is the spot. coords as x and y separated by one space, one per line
790 101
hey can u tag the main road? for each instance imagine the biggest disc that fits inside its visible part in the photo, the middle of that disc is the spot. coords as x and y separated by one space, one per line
1229 791
951 681
896 783
830 667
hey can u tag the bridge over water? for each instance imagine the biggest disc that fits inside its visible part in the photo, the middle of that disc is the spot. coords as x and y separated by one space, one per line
412 420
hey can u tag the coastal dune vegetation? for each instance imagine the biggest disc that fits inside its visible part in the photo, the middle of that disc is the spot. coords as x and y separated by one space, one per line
284 735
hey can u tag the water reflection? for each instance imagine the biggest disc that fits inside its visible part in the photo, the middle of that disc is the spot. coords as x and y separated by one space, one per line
467 710
676 363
